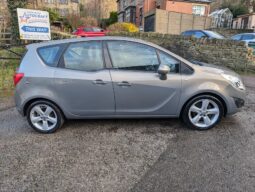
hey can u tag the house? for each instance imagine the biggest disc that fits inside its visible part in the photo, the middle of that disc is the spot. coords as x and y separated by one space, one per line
221 18
98 8
246 21
133 11
196 7
64 7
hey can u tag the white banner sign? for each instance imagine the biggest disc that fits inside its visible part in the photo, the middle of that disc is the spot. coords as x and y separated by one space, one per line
34 24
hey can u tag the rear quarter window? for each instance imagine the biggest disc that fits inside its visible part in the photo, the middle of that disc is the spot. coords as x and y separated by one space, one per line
50 54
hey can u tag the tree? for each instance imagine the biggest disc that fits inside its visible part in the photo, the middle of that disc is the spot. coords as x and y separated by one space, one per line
12 7
236 9
104 23
53 14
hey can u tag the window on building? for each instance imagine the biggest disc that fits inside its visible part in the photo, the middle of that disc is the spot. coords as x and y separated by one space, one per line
141 16
63 1
198 10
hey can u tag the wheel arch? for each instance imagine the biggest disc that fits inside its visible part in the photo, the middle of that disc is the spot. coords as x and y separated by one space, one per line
29 102
219 97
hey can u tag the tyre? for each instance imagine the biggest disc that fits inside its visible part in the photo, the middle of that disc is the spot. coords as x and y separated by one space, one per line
44 116
203 112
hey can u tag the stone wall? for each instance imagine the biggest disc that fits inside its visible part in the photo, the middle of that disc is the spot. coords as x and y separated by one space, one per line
229 53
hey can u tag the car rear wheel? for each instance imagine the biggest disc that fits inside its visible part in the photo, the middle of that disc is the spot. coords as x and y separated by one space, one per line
44 117
203 112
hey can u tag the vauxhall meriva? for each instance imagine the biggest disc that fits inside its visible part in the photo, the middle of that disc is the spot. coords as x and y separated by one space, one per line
116 77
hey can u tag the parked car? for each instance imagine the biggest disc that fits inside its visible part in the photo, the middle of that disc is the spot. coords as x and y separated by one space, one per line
248 38
86 31
117 77
203 34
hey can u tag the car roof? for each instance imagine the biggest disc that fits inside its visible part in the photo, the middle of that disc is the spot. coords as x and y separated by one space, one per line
73 40
195 30
243 34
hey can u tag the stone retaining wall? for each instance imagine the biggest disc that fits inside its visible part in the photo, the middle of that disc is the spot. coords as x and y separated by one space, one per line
233 54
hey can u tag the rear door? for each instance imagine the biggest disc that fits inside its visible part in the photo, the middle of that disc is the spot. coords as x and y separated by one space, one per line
83 84
137 86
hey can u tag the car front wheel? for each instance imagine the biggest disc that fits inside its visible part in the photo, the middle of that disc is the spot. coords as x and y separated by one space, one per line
203 112
44 117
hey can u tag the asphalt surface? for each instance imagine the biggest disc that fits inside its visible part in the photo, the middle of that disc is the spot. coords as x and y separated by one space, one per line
129 155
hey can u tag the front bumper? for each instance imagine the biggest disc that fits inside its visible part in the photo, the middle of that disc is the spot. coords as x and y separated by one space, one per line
235 101
239 102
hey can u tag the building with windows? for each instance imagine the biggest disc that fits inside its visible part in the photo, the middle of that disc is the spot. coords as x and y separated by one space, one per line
246 21
196 7
98 8
131 11
134 11
64 7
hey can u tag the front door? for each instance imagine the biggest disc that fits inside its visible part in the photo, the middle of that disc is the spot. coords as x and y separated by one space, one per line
137 85
83 84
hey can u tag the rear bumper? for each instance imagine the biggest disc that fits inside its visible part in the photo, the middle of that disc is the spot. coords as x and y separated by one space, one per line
18 104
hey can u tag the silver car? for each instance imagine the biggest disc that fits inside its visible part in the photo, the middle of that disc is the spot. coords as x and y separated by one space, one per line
117 77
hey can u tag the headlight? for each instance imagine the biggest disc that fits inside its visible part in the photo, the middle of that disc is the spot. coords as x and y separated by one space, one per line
235 81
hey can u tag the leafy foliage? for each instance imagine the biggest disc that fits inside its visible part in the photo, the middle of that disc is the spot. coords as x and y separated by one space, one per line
109 21
238 9
123 27
12 6
53 14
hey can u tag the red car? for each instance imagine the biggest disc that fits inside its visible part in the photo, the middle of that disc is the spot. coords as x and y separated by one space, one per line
85 31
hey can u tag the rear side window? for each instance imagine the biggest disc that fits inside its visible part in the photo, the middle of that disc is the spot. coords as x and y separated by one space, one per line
84 56
50 54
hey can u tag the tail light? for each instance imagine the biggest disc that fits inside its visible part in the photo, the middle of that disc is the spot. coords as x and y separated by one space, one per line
17 77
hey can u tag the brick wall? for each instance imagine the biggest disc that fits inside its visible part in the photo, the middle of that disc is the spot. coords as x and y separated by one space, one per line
228 53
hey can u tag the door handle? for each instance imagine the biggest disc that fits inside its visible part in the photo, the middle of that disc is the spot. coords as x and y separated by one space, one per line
124 84
99 82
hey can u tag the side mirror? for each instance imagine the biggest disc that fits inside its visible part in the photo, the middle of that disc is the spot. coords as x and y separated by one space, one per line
163 70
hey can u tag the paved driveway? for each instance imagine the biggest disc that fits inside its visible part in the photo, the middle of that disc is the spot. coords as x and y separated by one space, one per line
129 155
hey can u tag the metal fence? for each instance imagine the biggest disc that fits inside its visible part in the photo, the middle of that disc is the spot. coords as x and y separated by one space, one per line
5 38
10 56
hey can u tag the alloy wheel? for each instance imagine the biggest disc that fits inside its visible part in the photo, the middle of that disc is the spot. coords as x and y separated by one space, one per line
204 113
43 117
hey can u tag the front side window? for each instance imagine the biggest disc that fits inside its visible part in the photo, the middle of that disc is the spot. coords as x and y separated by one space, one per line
199 34
97 29
133 56
84 56
248 37
166 59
